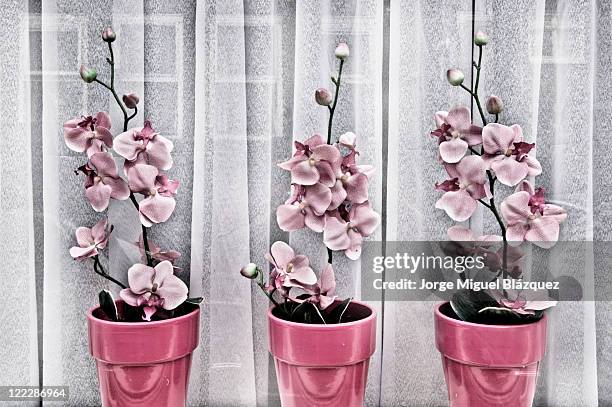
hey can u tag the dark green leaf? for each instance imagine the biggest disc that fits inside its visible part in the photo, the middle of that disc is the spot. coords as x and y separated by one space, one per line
194 300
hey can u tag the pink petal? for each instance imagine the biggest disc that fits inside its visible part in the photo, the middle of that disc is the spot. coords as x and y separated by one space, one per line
357 188
162 271
515 208
83 252
303 275
148 312
534 167
335 234
367 170
516 233
325 301
98 231
103 120
453 150
458 205
473 135
497 138
157 208
158 151
304 173
140 278
338 195
119 188
459 118
353 252
509 171
84 236
556 212
365 219
327 153
348 139
440 118
289 217
518 133
300 261
105 164
126 146
539 305
104 135
282 254
314 141
459 233
95 146
327 174
543 232
292 162
98 196
129 297
313 221
141 178
328 280
77 139
471 169
525 186
173 291
318 197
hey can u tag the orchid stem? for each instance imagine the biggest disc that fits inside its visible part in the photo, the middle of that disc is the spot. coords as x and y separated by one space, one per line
98 269
319 313
332 109
145 240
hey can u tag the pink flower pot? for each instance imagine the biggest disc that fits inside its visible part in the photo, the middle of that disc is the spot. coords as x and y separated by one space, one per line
489 365
323 365
143 363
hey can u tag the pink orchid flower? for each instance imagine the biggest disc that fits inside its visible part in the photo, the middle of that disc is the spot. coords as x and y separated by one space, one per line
102 181
156 252
313 161
159 191
153 288
90 134
529 218
460 233
290 270
322 293
144 146
345 230
524 302
305 207
352 184
464 189
456 133
91 240
507 154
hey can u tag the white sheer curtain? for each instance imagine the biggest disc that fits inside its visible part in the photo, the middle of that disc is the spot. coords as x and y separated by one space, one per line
232 84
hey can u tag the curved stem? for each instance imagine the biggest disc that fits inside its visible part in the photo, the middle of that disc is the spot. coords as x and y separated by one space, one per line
98 269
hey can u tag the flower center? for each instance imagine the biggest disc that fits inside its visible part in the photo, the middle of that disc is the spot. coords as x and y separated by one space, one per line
153 192
289 268
344 178
154 288
97 179
455 134
509 152
311 161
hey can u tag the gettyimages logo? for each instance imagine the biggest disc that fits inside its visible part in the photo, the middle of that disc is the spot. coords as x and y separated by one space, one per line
435 270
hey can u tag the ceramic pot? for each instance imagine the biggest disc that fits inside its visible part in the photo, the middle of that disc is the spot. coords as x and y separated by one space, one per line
323 365
143 363
489 365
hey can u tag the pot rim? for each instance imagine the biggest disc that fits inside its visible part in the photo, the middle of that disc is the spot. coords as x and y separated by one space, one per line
325 326
162 322
459 322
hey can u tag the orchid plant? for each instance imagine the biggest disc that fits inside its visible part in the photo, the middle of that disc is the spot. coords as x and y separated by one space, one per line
329 195
153 290
476 158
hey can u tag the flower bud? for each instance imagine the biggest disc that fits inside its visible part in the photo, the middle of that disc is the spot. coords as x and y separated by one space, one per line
250 271
88 75
342 51
348 139
323 97
108 35
494 104
130 100
455 76
481 38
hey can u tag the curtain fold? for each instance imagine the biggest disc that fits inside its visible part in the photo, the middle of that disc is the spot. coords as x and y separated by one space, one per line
232 84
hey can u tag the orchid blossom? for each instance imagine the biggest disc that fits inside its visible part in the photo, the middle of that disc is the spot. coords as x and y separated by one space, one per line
455 133
507 154
313 162
154 287
102 181
159 191
144 146
464 189
90 241
322 293
529 218
345 230
89 133
525 302
156 252
305 207
290 270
